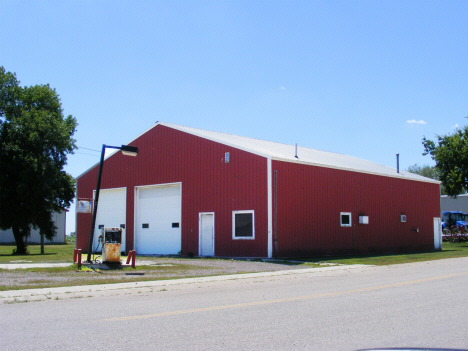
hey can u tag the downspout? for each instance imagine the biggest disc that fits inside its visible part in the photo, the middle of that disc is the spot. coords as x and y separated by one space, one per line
270 209
275 228
354 238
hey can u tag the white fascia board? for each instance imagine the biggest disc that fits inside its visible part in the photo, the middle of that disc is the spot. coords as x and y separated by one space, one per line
272 156
146 131
90 168
183 131
193 131
397 175
216 140
97 164
237 147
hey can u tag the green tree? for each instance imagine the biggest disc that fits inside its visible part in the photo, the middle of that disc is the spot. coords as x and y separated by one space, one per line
426 171
35 139
451 156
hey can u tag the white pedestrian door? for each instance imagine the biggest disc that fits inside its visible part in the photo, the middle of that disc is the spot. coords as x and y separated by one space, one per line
437 233
206 234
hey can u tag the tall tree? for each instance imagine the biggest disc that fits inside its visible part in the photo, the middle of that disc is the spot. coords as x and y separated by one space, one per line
451 157
35 139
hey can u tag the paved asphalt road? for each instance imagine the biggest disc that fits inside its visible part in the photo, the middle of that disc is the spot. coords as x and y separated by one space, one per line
412 305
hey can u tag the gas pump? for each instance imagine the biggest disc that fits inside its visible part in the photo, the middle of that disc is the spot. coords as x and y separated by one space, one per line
111 240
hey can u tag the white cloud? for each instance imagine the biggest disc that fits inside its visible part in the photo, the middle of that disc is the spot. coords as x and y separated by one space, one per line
455 126
413 121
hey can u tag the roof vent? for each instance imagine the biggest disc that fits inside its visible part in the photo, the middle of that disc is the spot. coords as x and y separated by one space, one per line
398 163
296 152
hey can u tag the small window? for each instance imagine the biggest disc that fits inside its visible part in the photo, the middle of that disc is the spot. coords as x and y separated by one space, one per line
175 225
243 225
101 226
345 219
145 225
122 226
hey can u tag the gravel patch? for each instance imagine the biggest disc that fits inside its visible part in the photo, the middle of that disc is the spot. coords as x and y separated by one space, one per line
147 268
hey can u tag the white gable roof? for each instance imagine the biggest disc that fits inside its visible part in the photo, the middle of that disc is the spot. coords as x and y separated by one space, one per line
283 152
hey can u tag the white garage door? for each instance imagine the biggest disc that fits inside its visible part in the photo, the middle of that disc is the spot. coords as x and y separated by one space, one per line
111 213
158 220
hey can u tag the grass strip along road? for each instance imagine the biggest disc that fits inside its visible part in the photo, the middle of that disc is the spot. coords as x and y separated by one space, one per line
160 268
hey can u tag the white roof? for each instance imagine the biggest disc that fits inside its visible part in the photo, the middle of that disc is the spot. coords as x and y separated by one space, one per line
287 153
283 152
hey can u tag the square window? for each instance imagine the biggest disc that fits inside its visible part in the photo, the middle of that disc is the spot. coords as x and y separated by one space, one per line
345 219
243 225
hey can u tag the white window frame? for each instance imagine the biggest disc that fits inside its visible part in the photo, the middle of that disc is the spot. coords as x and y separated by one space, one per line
234 237
350 219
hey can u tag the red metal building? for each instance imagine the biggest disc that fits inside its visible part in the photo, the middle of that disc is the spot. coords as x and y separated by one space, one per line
192 191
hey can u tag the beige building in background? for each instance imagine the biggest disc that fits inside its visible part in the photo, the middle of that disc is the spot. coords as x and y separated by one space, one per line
59 218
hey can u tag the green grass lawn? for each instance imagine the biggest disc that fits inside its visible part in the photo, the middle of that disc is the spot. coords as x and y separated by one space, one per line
449 250
52 254
64 253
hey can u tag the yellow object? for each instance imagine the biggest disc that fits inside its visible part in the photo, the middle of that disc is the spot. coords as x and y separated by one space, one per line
111 252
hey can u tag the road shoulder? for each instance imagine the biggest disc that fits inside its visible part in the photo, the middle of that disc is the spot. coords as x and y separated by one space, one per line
73 292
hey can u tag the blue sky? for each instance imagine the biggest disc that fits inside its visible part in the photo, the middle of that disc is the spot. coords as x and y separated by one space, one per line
364 78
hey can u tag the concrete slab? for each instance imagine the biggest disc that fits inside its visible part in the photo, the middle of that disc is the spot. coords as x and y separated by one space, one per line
32 265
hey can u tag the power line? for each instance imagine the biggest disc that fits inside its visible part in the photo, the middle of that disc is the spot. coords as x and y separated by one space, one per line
82 153
79 147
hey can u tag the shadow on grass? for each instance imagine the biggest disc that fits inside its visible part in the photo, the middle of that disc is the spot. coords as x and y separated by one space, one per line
363 256
292 262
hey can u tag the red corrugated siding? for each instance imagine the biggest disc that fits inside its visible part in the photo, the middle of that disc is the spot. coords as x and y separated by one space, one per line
208 185
311 198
